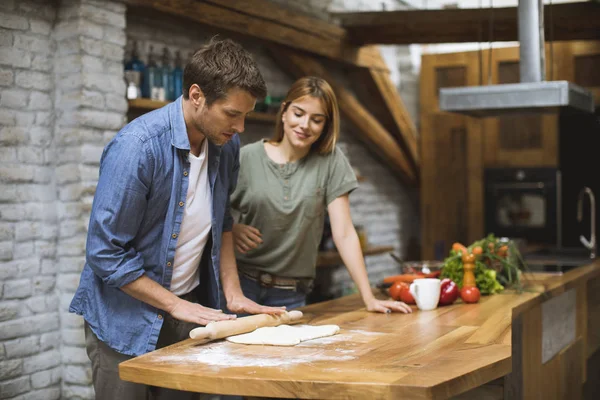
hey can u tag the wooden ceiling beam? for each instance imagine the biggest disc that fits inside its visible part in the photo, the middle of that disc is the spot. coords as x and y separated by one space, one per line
380 96
267 21
371 131
567 21
284 16
406 131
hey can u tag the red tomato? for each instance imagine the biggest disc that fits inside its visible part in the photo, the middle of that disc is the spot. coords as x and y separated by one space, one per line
470 294
407 297
397 288
401 291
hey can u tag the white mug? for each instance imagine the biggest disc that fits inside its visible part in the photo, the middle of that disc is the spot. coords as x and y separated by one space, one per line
426 292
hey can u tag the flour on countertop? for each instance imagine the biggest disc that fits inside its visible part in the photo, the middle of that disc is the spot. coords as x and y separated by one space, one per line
220 355
366 333
345 335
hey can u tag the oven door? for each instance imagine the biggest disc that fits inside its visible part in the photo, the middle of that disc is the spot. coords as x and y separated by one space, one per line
523 203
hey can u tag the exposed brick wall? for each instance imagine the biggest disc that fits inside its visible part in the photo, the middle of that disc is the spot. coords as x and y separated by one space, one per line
29 323
90 108
61 85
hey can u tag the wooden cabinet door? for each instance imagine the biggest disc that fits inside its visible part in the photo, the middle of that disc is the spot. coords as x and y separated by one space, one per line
451 158
579 62
517 140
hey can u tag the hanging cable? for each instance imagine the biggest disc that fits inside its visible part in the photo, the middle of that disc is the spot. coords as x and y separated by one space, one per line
479 40
491 39
551 41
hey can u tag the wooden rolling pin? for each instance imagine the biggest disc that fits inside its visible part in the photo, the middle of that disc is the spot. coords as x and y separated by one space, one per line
222 329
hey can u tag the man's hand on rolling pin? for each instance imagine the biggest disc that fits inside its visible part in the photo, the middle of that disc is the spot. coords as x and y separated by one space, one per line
387 306
191 312
246 237
241 304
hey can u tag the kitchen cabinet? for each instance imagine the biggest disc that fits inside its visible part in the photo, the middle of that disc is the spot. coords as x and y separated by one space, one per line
455 149
579 62
451 158
517 140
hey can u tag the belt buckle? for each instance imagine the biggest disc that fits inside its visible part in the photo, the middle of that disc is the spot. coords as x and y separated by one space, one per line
266 279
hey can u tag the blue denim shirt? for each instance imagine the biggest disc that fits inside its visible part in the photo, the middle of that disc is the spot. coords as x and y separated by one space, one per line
135 221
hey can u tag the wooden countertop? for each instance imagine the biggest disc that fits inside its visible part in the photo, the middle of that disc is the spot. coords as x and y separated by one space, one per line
423 355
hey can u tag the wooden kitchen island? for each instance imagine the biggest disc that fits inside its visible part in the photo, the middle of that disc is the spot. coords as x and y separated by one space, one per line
515 346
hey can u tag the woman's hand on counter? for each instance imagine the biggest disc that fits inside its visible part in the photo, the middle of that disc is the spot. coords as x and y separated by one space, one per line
240 304
387 306
246 237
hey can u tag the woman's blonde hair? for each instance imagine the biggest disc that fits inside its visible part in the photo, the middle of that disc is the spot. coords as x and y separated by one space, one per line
320 89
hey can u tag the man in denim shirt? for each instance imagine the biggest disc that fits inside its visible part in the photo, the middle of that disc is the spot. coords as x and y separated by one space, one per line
160 229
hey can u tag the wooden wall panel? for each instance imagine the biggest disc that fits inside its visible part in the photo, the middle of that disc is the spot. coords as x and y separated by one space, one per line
593 317
579 62
517 140
451 158
562 376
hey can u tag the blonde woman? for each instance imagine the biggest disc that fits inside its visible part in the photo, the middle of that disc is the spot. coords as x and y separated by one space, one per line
284 186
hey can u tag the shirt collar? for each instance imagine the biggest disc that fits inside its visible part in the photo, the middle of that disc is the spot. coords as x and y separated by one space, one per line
179 136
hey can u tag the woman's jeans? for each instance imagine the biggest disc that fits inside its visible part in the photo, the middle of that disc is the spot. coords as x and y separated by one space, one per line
272 296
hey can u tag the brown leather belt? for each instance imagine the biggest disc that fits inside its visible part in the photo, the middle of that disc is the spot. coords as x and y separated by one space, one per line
268 280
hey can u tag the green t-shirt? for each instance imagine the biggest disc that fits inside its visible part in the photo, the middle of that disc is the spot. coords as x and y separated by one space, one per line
286 203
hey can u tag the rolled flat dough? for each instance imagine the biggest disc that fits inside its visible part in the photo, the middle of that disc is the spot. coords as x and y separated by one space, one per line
285 335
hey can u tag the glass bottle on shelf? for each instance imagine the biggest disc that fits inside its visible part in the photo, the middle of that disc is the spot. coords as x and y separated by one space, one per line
134 70
166 92
134 63
152 81
177 76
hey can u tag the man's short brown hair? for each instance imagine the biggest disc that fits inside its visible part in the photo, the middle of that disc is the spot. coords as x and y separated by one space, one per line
219 66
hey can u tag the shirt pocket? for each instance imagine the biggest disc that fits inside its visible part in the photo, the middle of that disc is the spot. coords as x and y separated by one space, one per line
314 203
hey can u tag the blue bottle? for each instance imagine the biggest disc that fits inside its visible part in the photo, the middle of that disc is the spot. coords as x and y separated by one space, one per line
151 78
134 70
166 76
177 77
134 63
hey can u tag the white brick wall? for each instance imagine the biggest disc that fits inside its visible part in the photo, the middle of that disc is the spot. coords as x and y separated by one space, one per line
56 114
29 363
90 109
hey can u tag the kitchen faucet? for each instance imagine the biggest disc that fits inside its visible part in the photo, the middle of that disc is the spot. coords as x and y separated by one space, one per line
591 244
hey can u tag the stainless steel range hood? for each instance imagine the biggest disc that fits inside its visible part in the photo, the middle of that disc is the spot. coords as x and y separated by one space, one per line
533 94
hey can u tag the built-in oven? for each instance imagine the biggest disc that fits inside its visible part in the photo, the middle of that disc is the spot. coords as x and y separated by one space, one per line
524 203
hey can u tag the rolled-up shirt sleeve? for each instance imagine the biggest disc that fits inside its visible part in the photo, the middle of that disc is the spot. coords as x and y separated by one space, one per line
228 218
119 206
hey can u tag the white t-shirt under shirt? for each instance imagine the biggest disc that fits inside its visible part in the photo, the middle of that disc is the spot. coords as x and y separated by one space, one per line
195 226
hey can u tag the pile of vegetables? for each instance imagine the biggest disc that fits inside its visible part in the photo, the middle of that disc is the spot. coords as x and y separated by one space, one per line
495 265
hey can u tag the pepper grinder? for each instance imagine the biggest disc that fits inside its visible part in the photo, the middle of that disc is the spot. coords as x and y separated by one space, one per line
469 270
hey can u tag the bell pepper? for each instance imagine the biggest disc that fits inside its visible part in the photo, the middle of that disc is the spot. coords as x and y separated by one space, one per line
448 292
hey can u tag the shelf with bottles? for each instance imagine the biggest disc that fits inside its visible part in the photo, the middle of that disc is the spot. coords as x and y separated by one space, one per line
154 85
154 80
